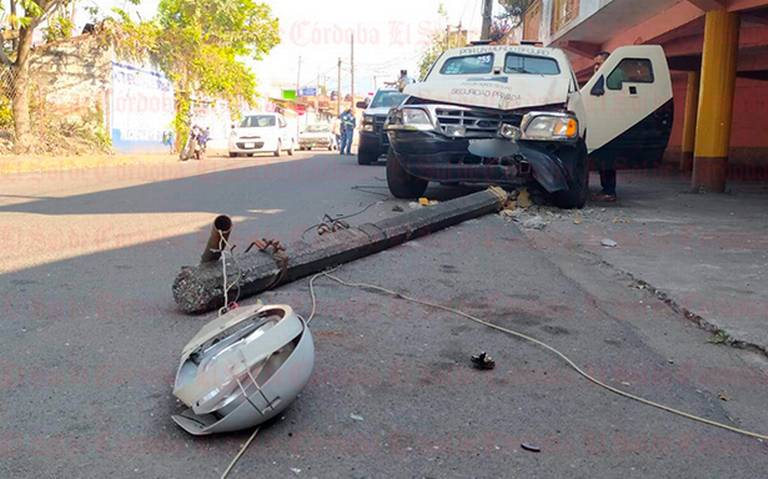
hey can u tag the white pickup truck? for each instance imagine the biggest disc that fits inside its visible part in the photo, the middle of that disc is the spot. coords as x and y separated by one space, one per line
515 114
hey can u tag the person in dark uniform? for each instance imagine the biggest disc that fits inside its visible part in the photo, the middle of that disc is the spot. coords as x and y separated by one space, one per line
348 124
606 163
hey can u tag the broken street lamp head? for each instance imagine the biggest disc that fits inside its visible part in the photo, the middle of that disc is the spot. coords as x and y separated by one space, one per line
242 369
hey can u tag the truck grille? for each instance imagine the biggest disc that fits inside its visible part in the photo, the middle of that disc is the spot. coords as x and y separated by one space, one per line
378 128
478 123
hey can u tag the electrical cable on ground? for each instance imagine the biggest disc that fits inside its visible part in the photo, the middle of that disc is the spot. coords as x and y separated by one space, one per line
367 188
525 337
239 454
371 287
339 218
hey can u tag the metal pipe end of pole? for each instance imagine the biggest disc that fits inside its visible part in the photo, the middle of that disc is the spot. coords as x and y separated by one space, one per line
222 227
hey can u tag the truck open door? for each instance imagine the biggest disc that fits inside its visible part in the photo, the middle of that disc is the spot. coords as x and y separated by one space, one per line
629 107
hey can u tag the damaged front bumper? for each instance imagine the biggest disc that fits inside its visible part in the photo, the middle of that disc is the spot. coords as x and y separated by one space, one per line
483 155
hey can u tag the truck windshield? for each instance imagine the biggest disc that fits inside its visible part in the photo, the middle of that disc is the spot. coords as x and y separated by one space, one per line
387 99
527 64
468 65
257 121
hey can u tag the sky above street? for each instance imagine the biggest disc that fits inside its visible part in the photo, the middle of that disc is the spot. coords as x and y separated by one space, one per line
389 36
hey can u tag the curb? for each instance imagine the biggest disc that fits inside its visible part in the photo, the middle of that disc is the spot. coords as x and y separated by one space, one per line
687 313
10 166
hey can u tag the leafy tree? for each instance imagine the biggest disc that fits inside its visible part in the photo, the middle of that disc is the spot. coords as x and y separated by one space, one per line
514 11
20 20
23 18
437 45
200 45
59 27
430 55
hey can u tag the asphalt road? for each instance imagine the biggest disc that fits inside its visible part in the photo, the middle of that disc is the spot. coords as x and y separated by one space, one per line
90 341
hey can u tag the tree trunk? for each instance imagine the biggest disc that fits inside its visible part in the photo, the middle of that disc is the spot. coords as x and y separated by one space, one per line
181 120
20 100
14 27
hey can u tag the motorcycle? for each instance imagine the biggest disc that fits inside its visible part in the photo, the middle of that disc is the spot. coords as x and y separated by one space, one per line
196 144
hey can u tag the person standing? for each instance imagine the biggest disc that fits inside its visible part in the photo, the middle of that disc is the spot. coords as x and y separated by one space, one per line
606 162
336 131
348 124
404 80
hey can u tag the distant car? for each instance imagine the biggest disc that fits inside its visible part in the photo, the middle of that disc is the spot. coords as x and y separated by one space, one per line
373 138
318 135
260 133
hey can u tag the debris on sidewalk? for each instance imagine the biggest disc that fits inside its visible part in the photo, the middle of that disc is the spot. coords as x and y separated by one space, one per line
483 361
530 447
511 211
524 198
609 243
357 417
535 223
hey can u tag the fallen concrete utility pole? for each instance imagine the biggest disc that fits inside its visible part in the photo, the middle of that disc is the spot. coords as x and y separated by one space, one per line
199 289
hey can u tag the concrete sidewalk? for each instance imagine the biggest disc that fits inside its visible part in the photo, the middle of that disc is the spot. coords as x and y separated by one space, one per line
705 255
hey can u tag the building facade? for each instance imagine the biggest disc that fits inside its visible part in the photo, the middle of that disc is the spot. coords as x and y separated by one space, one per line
718 53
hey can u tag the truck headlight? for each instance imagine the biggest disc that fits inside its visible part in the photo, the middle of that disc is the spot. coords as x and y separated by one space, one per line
549 126
410 119
416 117
367 126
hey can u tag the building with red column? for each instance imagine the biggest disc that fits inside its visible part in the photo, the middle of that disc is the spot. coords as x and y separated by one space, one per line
718 53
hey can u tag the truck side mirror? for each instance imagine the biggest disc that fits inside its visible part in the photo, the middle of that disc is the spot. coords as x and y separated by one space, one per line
362 105
599 88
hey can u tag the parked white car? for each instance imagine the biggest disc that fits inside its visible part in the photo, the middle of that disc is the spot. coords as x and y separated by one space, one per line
317 136
260 133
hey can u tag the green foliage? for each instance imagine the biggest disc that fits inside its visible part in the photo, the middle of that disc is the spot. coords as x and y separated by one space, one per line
34 11
6 113
720 337
200 45
430 55
437 45
514 10
59 28
180 122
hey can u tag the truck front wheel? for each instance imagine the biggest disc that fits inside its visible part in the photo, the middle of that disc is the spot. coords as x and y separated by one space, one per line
575 197
365 157
401 183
